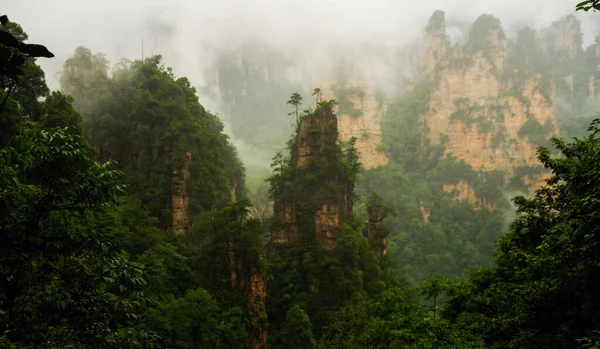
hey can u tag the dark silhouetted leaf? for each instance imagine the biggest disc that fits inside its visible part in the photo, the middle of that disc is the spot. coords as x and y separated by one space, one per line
3 19
35 50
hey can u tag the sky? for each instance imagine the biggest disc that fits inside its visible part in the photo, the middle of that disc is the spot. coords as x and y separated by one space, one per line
185 32
188 32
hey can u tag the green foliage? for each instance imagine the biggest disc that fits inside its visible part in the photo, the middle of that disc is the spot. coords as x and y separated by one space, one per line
295 101
535 131
250 89
460 62
436 22
195 321
297 330
14 53
84 266
393 320
22 85
149 121
588 5
350 271
432 233
401 124
65 284
480 32
85 77
343 94
303 274
546 264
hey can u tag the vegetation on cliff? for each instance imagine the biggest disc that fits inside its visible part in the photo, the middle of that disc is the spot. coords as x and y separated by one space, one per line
496 96
146 119
93 183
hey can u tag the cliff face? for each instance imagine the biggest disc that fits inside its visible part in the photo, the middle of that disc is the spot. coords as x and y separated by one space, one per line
374 229
360 113
484 116
491 100
245 272
180 199
316 194
434 44
256 295
563 39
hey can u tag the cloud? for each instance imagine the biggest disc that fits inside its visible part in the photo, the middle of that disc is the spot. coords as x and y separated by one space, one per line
185 31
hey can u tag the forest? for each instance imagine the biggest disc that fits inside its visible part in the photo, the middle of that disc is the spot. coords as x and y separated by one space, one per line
128 220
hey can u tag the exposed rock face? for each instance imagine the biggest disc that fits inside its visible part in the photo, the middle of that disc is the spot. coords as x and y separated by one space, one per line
256 296
425 212
563 38
315 144
285 227
245 272
365 125
250 277
315 133
464 191
327 219
434 45
179 197
478 114
374 229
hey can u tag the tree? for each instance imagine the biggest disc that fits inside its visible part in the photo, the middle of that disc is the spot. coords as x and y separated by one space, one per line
150 122
317 93
295 100
14 54
297 330
84 76
22 85
62 282
547 264
193 321
435 287
588 5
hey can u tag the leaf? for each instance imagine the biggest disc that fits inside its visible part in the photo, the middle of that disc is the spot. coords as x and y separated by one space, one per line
3 19
35 50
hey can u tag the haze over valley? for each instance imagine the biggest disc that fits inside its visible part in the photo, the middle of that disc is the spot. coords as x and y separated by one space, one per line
316 174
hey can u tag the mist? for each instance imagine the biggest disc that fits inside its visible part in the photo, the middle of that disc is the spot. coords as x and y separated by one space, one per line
186 32
376 35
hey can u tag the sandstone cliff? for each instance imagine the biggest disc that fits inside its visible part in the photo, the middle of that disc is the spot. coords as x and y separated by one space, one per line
487 112
360 112
374 229
312 191
180 199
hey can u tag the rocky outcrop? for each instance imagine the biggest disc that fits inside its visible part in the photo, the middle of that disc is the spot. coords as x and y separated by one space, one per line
434 44
464 191
485 119
562 40
249 276
374 229
327 200
315 134
285 225
361 116
256 295
180 199
327 219
245 272
425 212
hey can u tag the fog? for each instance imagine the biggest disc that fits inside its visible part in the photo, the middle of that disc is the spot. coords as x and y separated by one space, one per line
186 32
189 33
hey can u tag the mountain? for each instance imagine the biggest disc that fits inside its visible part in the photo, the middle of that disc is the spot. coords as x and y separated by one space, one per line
447 132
